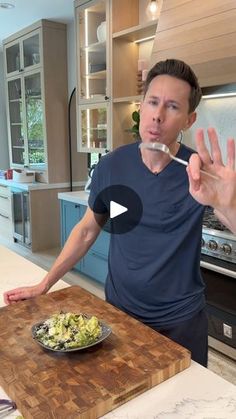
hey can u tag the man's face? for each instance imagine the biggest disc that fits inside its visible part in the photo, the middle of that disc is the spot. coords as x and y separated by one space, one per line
164 111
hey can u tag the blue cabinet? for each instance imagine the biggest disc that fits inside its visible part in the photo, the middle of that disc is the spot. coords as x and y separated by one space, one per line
95 262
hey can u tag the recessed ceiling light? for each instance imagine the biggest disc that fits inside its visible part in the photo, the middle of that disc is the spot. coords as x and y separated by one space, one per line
7 6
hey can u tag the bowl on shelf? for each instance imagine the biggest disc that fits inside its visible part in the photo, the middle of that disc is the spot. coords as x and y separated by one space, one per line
101 32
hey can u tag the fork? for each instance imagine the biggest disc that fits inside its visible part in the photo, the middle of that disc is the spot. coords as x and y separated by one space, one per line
165 149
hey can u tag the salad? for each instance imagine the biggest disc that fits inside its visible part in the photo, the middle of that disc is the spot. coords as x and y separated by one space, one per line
68 331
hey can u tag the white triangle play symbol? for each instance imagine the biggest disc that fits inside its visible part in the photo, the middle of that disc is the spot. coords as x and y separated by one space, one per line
116 209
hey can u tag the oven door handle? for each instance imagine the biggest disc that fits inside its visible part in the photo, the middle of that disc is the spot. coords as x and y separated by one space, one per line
218 269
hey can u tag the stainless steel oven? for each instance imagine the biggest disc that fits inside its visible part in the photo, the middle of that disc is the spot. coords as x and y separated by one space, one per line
218 266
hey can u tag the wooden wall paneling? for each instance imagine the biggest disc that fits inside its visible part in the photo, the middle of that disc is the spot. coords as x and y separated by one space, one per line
207 28
202 51
215 73
122 121
179 12
125 67
121 19
201 33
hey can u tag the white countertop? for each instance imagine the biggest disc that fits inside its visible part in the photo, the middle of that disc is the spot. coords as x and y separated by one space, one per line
37 185
79 197
23 186
195 393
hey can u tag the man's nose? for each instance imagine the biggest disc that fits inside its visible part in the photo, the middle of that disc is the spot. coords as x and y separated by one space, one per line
159 115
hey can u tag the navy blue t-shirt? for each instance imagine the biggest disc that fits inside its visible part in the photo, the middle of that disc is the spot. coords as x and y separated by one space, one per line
154 269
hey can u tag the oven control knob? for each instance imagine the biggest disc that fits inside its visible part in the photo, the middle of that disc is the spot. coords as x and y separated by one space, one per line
212 245
226 248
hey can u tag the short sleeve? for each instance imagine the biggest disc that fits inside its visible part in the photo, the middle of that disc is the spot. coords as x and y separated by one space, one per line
95 201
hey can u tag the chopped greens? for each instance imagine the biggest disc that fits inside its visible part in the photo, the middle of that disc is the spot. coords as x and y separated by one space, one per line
68 330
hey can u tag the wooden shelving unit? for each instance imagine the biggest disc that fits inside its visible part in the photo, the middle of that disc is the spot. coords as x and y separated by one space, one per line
131 40
129 37
138 32
128 99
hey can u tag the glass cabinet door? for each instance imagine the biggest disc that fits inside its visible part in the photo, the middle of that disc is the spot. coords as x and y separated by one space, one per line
31 51
34 119
13 58
92 24
16 121
93 128
23 54
26 120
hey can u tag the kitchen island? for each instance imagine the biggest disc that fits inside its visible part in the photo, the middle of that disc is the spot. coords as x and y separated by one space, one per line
192 393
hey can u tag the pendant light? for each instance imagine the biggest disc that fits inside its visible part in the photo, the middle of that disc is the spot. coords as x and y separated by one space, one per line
152 10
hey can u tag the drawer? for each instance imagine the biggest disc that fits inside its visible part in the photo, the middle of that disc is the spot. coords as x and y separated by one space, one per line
6 228
4 190
5 204
95 266
101 245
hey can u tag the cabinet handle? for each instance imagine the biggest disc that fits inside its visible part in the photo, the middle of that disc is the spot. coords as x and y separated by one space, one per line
3 197
4 216
99 256
77 205
106 98
21 70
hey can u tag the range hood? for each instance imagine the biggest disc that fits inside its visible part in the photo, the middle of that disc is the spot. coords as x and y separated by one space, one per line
223 90
203 34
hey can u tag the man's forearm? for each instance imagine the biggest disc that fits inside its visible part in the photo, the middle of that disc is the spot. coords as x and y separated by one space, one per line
75 248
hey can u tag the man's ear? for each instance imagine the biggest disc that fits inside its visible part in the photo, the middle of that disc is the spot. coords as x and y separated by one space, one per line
190 120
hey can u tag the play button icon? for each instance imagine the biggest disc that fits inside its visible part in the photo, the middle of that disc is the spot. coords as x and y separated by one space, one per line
121 205
116 209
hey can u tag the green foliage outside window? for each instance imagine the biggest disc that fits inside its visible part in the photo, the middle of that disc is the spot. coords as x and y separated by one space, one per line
35 130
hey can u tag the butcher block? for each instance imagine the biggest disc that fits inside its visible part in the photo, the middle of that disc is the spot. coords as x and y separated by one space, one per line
86 383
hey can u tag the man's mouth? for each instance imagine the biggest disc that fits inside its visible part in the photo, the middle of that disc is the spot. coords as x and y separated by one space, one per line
155 134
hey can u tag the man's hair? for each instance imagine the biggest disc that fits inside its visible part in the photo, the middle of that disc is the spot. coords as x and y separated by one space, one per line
180 70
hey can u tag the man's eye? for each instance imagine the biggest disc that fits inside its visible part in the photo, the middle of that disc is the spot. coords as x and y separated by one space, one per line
153 102
172 106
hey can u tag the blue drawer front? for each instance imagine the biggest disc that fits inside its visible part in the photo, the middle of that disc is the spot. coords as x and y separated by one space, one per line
95 265
101 245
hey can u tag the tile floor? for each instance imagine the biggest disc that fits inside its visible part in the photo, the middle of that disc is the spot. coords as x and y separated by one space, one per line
218 363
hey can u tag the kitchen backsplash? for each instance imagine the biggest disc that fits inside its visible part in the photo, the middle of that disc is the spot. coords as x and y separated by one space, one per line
219 113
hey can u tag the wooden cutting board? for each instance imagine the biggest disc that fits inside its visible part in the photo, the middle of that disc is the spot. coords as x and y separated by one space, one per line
83 384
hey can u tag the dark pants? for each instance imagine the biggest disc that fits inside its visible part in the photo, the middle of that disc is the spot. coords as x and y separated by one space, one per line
192 334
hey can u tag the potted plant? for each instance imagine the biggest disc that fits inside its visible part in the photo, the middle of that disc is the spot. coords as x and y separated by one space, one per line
135 127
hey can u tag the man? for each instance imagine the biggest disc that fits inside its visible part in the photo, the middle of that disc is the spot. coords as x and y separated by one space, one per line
154 269
220 193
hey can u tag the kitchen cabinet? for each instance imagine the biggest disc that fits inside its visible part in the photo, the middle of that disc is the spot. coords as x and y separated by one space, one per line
93 75
5 212
25 115
94 263
132 41
30 214
71 214
37 100
23 54
107 69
